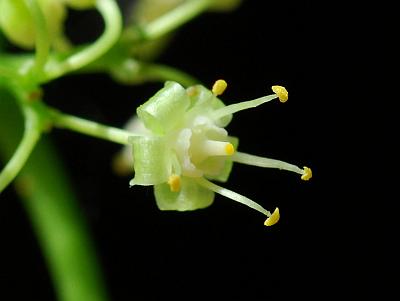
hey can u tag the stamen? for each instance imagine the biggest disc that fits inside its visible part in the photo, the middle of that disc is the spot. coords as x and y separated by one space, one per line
232 195
281 92
219 87
229 149
227 110
174 183
273 219
267 163
307 174
216 148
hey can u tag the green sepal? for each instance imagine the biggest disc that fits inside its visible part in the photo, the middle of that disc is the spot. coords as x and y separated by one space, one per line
202 99
226 169
191 196
151 160
162 112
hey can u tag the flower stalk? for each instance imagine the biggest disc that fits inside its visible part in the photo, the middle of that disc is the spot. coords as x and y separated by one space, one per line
90 128
29 139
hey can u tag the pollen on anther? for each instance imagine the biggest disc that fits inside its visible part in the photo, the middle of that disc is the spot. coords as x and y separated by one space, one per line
307 174
219 87
273 219
281 92
174 183
229 149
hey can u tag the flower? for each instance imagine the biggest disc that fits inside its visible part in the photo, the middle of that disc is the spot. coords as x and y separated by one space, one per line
183 145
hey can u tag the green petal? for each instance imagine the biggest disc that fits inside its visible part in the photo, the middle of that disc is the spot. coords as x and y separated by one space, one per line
165 109
225 171
192 196
202 98
152 160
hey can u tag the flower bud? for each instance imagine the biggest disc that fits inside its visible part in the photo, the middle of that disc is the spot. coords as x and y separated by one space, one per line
18 25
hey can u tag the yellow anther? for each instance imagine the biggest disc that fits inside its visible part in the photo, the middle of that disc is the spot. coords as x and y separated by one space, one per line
219 87
174 183
307 174
229 149
273 219
281 92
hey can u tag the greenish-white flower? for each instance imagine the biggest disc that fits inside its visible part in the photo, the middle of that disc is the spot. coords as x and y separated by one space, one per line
183 144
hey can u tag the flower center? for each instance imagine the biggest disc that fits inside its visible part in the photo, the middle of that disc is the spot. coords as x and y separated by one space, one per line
202 147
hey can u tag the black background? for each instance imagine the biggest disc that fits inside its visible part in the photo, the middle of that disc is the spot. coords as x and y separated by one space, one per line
222 252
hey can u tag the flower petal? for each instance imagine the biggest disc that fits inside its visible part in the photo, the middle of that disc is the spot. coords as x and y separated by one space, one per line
203 99
165 109
152 160
190 197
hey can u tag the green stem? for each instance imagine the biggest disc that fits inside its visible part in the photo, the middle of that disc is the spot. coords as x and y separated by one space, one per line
90 128
157 72
60 228
8 72
113 25
127 70
42 36
21 155
56 218
170 21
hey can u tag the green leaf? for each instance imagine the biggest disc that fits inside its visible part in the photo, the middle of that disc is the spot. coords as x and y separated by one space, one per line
191 196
